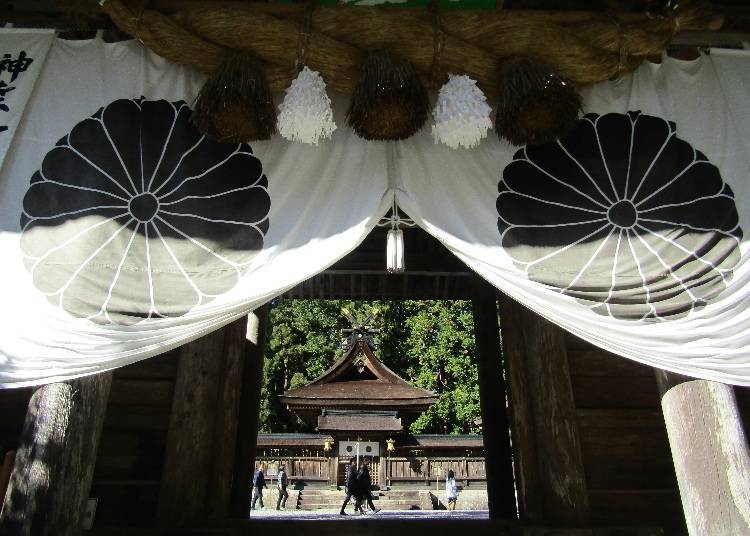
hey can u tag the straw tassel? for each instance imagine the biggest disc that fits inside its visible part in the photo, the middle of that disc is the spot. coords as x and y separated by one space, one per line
235 103
305 115
461 114
390 102
536 105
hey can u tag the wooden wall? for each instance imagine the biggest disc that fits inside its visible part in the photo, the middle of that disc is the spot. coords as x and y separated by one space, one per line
628 465
131 453
625 450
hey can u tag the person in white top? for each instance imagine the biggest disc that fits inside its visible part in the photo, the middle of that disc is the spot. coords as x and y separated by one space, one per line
451 490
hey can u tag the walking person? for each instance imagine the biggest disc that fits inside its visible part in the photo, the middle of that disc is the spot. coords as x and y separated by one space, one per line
351 486
451 490
259 482
364 484
281 482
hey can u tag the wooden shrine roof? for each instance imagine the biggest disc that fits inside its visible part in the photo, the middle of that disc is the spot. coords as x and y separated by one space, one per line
351 421
359 380
292 440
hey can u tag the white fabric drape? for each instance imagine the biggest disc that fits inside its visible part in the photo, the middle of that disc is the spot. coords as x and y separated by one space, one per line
669 287
124 234
84 291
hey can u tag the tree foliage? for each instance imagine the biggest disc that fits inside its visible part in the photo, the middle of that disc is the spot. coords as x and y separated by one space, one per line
428 343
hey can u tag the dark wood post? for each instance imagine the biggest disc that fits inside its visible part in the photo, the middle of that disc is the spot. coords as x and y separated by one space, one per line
710 453
54 465
546 441
495 429
523 434
199 457
9 461
247 434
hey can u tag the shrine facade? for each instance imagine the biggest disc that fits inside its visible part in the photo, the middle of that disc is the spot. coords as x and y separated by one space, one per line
362 409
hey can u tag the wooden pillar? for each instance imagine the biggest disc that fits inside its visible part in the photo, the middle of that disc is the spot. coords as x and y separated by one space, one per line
495 429
9 461
201 440
247 434
710 453
54 465
552 483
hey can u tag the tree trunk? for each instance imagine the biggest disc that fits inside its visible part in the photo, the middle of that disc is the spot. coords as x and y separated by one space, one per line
495 429
54 465
710 454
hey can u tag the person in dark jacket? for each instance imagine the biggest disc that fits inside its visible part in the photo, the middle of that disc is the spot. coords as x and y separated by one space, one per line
351 486
364 487
282 482
259 482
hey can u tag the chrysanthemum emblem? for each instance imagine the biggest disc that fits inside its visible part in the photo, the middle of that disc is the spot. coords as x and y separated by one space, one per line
135 215
622 215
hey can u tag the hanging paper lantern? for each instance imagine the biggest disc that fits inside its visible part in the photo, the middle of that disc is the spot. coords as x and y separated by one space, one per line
536 105
235 104
461 114
389 102
306 115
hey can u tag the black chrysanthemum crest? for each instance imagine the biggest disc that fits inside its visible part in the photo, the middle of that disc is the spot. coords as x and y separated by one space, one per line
134 214
622 215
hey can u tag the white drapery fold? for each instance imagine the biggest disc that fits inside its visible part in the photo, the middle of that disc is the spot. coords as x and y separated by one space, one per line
124 233
631 232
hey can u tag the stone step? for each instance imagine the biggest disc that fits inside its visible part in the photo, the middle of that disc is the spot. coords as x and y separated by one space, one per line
395 505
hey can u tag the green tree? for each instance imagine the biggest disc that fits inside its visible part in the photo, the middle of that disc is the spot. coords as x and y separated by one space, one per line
429 343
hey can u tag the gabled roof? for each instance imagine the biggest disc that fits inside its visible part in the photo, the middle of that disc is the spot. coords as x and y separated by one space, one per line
359 379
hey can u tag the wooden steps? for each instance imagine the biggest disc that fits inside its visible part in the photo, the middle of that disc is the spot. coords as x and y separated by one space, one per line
325 499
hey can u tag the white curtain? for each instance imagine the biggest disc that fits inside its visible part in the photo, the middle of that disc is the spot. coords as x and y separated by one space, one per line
125 233
631 232
24 52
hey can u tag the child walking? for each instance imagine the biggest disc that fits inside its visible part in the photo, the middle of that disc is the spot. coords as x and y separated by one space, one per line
451 490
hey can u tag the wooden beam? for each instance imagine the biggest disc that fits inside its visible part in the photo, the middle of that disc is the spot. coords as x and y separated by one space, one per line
55 462
523 434
227 422
498 459
539 372
249 417
710 453
202 434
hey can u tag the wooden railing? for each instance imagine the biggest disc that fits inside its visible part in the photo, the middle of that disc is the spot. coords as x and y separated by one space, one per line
396 469
308 468
400 469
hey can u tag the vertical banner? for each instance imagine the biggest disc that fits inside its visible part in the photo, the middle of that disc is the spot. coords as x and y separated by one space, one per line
22 55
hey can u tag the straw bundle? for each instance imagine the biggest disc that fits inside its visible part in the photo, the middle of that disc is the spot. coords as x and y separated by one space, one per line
644 37
274 40
467 42
536 105
390 101
170 40
235 104
584 53
410 38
